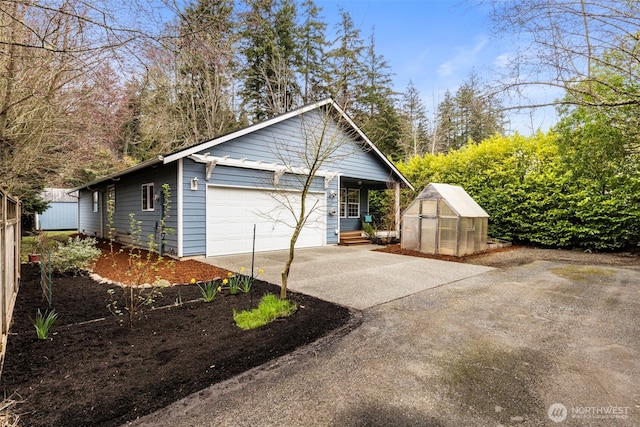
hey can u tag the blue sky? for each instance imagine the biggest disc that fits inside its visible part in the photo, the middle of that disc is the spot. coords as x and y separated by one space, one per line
434 43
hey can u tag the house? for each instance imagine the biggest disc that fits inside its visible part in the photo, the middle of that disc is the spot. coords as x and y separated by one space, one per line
223 188
62 213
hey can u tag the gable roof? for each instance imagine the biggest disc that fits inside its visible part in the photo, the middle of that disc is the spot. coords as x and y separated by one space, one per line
457 198
327 103
63 195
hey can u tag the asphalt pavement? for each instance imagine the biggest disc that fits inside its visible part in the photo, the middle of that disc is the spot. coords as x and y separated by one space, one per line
442 344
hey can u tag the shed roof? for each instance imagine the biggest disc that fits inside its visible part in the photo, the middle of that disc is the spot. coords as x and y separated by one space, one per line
66 195
457 198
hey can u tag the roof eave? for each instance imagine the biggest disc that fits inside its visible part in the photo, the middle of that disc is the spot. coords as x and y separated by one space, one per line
115 176
372 146
250 129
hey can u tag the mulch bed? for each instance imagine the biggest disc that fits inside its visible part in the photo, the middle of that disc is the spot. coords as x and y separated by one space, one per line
95 372
397 249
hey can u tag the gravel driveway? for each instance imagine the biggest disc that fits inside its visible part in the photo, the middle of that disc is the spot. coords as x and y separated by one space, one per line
548 342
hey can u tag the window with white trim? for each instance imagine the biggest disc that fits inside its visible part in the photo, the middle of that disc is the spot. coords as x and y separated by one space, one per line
343 203
147 197
96 201
353 203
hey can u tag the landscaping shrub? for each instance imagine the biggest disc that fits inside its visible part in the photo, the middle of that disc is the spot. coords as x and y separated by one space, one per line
75 256
534 195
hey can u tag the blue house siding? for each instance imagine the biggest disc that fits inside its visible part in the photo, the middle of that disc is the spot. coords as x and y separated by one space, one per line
128 200
351 158
89 222
194 209
194 201
267 145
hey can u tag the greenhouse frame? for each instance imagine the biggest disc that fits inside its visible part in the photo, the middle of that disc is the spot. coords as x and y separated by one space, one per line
444 220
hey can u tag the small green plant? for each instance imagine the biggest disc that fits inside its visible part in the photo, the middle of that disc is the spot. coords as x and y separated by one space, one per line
240 282
179 298
270 308
369 229
44 322
232 282
209 291
75 256
136 297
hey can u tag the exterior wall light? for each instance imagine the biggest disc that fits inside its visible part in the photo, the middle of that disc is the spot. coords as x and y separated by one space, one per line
194 184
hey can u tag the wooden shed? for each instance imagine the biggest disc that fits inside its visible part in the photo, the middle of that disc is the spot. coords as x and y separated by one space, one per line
444 220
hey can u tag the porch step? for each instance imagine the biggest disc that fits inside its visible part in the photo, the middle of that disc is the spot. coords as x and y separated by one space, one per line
351 238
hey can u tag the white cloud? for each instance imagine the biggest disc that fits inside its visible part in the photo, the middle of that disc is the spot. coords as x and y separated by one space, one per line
502 60
464 57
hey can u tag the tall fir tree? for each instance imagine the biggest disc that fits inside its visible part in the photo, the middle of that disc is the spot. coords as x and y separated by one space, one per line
313 46
205 64
344 62
374 106
445 129
472 114
415 124
271 56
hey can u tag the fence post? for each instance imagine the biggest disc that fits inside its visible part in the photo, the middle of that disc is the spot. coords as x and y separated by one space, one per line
10 236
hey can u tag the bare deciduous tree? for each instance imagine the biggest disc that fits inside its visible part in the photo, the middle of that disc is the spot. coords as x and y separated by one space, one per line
56 54
324 145
564 42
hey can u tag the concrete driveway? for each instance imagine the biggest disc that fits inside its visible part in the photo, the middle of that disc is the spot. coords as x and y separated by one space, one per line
352 276
541 344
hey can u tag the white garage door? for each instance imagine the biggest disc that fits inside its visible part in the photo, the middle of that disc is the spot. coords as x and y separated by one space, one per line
232 212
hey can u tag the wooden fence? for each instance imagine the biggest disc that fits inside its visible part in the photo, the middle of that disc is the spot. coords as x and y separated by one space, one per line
9 263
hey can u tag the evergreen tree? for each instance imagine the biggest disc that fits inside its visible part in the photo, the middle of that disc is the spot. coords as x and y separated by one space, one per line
344 62
414 139
374 107
471 114
313 45
272 58
445 130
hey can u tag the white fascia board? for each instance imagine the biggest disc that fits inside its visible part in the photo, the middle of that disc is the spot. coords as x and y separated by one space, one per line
372 146
216 141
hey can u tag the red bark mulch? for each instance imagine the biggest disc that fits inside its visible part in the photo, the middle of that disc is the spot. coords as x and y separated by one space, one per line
118 265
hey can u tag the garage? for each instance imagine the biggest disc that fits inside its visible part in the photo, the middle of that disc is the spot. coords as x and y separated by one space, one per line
232 213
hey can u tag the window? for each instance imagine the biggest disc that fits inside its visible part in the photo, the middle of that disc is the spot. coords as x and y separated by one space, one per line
343 203
353 203
96 201
111 199
147 197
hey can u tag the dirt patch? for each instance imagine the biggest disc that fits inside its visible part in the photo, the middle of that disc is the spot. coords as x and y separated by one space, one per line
95 372
580 273
489 379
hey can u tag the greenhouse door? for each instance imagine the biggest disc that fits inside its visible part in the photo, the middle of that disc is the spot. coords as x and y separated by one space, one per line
428 235
232 213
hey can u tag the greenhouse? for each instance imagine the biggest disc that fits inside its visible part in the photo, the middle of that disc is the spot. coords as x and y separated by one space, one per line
444 220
